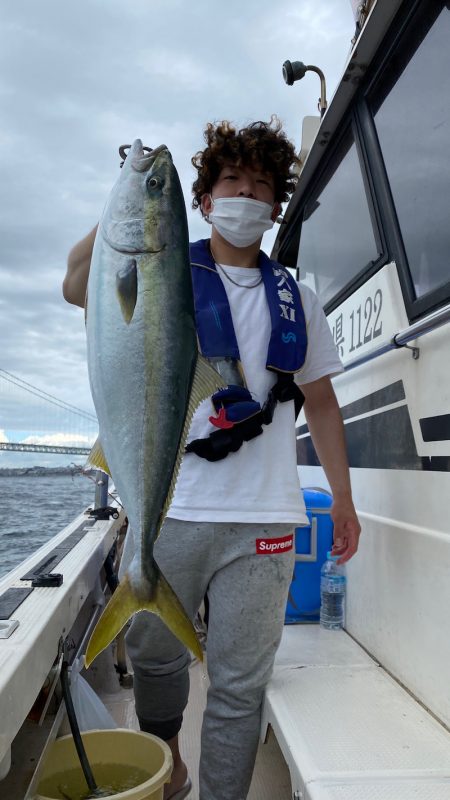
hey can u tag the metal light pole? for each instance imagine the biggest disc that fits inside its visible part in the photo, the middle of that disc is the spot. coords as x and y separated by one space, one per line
296 70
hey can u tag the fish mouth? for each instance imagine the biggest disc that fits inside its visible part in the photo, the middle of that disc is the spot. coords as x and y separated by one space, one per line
125 249
141 162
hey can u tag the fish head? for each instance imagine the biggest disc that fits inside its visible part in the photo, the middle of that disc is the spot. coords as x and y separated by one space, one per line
146 211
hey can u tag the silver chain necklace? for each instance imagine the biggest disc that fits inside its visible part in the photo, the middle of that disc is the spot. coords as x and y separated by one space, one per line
241 285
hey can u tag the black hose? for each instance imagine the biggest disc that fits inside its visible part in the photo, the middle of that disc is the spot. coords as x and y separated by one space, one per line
85 766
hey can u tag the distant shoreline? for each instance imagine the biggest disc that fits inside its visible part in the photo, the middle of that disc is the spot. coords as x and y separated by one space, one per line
39 472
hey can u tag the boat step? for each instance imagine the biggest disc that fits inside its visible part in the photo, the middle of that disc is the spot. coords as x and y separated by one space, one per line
346 728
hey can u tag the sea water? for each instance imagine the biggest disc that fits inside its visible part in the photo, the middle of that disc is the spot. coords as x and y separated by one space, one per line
35 508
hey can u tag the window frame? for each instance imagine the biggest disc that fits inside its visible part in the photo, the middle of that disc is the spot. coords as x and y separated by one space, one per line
395 41
328 168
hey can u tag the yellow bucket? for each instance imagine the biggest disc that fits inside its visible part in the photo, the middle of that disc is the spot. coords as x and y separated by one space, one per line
113 755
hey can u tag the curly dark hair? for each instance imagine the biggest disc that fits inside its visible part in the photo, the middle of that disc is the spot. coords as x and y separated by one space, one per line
260 145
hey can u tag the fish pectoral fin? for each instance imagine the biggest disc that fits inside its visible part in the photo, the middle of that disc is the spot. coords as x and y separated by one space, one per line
125 602
97 458
126 286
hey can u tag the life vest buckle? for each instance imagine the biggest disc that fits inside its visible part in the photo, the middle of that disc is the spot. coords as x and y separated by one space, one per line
221 420
233 405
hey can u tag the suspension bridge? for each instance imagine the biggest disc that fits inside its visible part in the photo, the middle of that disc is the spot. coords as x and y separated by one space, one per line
34 421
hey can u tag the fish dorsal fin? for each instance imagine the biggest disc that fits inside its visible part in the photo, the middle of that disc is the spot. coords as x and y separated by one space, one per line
206 381
97 458
126 285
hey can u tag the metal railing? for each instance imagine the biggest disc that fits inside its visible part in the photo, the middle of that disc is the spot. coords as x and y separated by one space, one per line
402 338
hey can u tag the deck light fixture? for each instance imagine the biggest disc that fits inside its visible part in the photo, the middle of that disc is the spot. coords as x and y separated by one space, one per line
296 70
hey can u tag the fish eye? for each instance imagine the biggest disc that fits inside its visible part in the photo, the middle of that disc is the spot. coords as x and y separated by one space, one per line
154 182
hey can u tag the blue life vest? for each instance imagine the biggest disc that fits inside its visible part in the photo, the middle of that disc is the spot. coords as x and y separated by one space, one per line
239 416
288 342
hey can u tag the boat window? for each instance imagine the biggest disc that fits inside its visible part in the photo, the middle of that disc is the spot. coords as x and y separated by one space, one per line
412 116
337 237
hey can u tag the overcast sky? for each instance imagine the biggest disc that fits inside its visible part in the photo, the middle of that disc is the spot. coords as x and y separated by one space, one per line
79 79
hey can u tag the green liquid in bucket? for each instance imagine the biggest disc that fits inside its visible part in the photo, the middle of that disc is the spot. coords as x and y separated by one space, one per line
110 778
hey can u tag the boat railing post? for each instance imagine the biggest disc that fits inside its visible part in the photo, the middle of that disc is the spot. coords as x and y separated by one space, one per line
101 489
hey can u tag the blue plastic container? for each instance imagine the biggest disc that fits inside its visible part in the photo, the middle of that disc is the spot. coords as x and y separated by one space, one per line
312 543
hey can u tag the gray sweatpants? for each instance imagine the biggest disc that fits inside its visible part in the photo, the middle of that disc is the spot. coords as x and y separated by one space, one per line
247 595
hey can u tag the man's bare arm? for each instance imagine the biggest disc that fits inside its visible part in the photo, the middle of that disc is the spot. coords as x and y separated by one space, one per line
78 265
327 431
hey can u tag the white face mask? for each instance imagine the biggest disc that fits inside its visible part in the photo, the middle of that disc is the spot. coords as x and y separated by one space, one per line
240 220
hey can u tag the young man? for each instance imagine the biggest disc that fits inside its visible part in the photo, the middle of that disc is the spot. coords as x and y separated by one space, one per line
229 529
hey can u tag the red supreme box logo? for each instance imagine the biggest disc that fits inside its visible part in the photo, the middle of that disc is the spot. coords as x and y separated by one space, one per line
268 546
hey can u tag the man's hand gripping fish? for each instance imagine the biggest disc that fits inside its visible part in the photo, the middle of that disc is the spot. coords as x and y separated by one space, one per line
147 377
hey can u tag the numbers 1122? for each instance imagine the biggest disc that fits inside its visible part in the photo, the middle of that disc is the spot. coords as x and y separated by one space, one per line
362 321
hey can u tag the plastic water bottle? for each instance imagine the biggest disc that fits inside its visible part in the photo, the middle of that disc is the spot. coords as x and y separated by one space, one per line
333 583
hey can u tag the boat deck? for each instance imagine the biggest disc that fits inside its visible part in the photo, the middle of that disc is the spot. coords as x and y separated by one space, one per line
271 777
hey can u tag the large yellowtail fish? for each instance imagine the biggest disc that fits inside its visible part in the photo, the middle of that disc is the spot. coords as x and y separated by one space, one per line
146 375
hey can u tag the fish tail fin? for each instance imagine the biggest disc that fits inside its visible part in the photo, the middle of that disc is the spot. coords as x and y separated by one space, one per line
126 601
121 606
166 605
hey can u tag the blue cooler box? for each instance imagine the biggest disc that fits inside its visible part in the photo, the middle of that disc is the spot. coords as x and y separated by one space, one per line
312 543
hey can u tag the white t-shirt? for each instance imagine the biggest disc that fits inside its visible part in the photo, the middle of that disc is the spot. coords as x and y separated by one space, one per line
258 483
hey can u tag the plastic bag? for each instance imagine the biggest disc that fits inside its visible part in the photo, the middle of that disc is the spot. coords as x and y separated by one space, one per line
90 712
